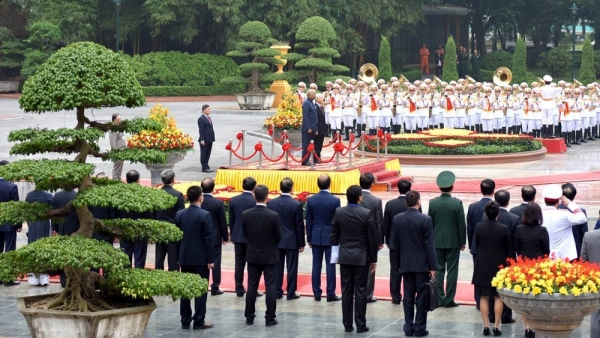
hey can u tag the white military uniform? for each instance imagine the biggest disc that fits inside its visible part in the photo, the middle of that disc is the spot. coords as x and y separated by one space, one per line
548 104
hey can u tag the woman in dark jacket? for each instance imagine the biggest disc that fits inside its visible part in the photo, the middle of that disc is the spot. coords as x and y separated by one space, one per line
492 240
531 241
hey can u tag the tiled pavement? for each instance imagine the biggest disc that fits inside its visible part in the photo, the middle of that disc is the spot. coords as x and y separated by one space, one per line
303 317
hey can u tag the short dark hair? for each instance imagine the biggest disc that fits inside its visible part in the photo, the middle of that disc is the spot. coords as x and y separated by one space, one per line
286 185
114 116
487 186
569 191
353 194
204 107
492 209
412 198
404 186
167 176
502 197
194 193
249 183
528 193
208 185
260 193
4 162
366 181
447 189
324 182
532 215
132 176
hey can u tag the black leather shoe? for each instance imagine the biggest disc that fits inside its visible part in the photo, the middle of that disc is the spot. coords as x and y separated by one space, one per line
486 331
453 304
249 321
271 322
279 296
409 334
422 333
216 292
317 299
496 332
204 326
396 302
207 171
292 297
334 299
240 294
510 321
372 300
362 329
185 327
13 283
348 328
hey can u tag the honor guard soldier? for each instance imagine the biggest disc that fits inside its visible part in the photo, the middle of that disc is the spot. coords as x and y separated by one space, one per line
397 107
585 115
460 105
335 117
487 112
362 110
327 105
385 108
374 113
300 92
410 103
537 112
548 106
566 116
448 111
509 118
423 105
348 110
577 115
313 86
436 111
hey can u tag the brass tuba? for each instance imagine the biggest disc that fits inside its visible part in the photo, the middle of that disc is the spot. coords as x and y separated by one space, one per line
368 73
577 83
470 79
502 76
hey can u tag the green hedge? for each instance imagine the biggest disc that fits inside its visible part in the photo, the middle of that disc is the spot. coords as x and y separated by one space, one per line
412 74
192 91
495 60
181 69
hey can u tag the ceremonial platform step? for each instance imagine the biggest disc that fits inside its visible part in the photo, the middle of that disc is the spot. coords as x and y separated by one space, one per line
554 145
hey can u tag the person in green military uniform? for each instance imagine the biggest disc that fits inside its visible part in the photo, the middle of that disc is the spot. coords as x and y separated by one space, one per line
449 231
475 61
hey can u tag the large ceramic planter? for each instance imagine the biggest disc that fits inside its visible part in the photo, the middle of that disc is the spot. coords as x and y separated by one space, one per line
255 101
551 315
156 169
9 86
128 322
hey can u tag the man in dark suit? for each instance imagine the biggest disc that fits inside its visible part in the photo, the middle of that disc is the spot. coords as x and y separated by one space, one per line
70 224
528 195
261 227
237 205
320 209
393 208
590 252
579 230
168 215
353 229
375 205
412 235
322 125
206 139
196 254
8 233
309 123
216 208
475 216
292 241
139 248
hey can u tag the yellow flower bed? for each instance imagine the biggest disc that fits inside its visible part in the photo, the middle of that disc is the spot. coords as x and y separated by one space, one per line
449 143
448 132
413 137
169 138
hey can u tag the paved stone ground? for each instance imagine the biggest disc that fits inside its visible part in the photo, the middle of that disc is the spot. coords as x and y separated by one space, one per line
303 317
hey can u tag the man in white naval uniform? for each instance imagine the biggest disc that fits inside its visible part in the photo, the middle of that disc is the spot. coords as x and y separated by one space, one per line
548 106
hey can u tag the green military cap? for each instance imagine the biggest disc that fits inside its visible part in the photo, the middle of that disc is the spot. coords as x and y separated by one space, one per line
445 179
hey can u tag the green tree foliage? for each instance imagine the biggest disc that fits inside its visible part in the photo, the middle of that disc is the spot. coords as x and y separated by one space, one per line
255 39
11 54
557 61
519 63
587 74
80 76
42 43
385 59
450 72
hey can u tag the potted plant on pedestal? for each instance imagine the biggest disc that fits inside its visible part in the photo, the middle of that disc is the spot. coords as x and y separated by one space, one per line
256 37
79 76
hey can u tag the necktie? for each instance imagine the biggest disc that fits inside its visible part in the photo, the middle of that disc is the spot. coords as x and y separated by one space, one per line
209 120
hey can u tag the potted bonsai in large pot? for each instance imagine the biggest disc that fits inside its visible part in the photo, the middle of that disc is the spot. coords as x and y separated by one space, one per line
79 76
255 39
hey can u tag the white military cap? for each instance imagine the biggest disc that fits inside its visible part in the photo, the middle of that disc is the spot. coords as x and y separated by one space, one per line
547 78
552 192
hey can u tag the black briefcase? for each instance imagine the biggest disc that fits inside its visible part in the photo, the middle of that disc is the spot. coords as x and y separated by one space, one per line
431 296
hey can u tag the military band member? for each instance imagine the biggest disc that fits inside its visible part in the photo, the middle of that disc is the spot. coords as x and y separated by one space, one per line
537 112
498 109
361 97
470 111
335 117
585 115
397 107
460 106
592 111
422 104
436 111
548 106
487 111
509 118
527 104
374 114
410 104
300 94
578 106
313 86
448 112
566 116
385 108
327 105
348 110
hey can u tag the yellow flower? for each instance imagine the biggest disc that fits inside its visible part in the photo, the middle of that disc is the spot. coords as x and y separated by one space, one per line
518 289
549 290
536 291
576 291
526 290
563 291
579 282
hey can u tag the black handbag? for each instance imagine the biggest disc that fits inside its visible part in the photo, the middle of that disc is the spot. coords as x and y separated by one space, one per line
431 297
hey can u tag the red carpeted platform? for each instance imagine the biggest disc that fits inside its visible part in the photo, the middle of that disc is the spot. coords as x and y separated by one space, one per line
472 186
554 145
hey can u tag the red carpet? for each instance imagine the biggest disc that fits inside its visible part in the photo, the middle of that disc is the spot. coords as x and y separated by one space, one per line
464 292
472 186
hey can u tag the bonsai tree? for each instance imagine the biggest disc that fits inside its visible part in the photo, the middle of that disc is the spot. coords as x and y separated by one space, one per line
80 76
256 39
385 59
519 62
314 35
587 73
450 72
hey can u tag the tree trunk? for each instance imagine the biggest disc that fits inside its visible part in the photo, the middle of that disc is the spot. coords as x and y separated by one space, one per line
479 30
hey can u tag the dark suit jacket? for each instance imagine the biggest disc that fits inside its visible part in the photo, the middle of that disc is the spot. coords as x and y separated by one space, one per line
9 192
512 221
474 217
292 221
493 248
579 231
196 246
237 205
532 241
205 129
322 125
309 116
392 208
71 223
353 229
168 215
412 238
102 213
216 208
375 205
519 209
261 227
320 209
